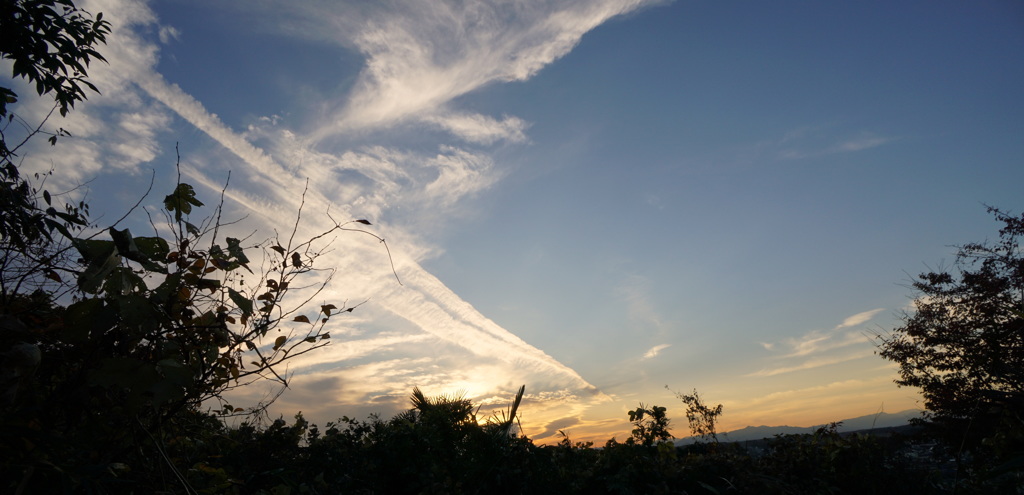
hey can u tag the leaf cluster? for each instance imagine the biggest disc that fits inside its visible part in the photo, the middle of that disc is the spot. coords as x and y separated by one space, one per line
650 425
51 43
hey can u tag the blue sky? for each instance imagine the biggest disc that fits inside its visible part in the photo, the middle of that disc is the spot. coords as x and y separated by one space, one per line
594 198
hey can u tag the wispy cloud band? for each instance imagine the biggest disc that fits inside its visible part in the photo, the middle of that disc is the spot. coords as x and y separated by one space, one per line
409 74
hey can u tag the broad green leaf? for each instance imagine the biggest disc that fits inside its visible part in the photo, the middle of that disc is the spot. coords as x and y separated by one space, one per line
137 315
125 244
176 372
168 288
301 318
87 314
236 251
72 219
59 227
243 303
155 248
208 283
122 281
278 342
102 258
94 248
164 391
181 201
117 372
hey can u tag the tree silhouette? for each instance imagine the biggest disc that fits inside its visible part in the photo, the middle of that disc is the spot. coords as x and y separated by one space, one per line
702 418
963 344
650 425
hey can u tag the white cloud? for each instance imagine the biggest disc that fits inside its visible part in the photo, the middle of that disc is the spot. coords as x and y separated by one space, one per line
635 292
816 141
654 351
440 180
809 343
817 348
841 397
460 173
418 61
813 363
411 189
481 129
816 341
420 55
861 143
196 114
168 34
115 128
859 318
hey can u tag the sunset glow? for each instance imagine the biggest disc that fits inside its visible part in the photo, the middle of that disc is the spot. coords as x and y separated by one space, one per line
594 198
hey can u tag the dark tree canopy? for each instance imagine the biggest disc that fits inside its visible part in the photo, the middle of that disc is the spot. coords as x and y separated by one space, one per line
51 43
963 345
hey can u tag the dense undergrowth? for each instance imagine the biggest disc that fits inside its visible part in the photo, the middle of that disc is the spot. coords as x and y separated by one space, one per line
431 450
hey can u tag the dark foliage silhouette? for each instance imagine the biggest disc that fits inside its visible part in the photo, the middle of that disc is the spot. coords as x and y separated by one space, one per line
963 347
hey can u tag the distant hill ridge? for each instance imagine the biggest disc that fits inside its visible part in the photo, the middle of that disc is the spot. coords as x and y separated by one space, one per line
880 420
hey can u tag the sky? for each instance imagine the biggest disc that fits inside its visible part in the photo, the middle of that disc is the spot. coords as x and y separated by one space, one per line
604 200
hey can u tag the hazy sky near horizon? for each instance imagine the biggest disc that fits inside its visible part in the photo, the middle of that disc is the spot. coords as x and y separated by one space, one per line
596 198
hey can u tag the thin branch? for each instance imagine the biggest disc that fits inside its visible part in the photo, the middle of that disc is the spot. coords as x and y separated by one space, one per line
220 210
341 226
38 129
298 218
152 178
177 474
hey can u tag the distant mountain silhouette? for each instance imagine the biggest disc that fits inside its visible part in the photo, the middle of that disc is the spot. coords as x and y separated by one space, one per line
880 420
